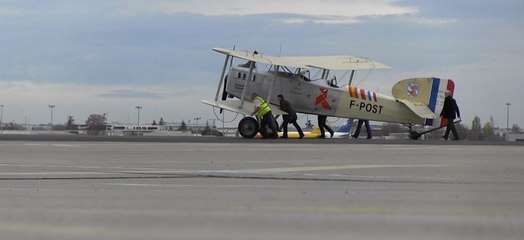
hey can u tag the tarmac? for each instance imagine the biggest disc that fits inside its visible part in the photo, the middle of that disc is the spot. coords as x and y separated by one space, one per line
82 187
235 140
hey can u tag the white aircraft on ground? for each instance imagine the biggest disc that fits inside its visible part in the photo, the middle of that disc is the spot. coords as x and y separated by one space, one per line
415 101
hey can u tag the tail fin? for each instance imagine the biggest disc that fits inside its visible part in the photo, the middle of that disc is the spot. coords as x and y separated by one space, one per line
346 127
428 91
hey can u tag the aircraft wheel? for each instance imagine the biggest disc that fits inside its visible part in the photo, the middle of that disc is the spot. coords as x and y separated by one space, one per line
248 127
414 135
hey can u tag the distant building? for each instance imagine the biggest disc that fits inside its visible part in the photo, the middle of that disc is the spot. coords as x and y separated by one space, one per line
133 129
516 137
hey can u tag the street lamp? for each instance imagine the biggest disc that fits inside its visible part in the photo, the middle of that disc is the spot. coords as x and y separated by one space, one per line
507 121
138 108
1 118
197 118
51 107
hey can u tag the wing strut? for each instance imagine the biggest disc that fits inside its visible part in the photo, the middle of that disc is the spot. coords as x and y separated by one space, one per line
272 83
250 75
351 77
221 77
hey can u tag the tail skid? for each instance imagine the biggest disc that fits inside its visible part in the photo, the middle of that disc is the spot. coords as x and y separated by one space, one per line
416 135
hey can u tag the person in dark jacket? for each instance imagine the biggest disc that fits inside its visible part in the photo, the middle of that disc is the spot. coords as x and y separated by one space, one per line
291 117
450 111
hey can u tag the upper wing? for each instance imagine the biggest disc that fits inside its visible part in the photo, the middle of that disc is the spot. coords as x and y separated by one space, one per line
260 58
338 62
322 62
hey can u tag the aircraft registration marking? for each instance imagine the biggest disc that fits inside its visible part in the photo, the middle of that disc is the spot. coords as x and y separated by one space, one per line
368 107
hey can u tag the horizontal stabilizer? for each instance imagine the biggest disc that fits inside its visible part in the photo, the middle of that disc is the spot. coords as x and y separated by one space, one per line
421 109
246 109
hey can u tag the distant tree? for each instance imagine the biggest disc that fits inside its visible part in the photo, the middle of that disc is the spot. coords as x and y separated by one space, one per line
161 122
70 124
488 132
516 129
95 124
495 136
183 126
462 130
154 122
475 133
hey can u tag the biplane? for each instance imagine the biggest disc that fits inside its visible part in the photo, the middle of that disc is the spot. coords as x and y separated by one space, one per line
414 101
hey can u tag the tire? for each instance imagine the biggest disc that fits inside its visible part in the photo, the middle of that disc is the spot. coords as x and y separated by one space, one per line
248 127
414 135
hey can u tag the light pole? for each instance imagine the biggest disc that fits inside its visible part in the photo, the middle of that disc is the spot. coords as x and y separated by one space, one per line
51 107
197 118
507 121
1 118
138 108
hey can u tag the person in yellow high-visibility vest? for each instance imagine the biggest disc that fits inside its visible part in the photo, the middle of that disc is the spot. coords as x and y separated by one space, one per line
263 111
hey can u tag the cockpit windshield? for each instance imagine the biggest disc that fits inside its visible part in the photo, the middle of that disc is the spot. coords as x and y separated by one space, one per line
305 75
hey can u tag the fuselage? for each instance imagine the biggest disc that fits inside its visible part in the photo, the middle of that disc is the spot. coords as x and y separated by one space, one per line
318 96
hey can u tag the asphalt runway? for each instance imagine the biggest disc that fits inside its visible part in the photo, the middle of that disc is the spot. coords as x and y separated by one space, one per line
260 189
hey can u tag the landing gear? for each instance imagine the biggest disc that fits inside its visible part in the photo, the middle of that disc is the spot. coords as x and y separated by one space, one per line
248 127
414 135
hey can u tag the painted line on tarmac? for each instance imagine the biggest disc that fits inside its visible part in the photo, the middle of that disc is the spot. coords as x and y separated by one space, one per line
329 168
69 231
279 170
203 171
51 173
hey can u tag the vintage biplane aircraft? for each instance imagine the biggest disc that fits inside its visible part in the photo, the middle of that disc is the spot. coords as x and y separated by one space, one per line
415 101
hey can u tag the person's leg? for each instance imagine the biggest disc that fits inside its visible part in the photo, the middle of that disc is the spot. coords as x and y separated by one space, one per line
454 131
368 129
321 125
357 131
448 128
263 127
284 127
272 125
330 130
295 124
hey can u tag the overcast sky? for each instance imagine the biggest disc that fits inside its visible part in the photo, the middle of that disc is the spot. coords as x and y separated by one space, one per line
103 56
